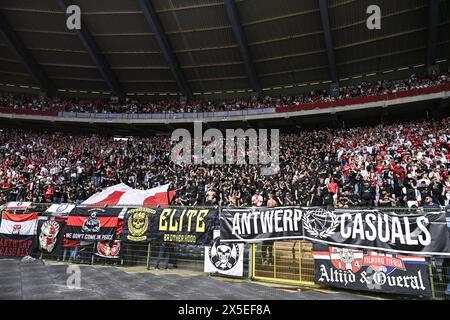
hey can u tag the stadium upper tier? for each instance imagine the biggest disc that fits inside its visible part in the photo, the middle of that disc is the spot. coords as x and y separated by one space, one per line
363 93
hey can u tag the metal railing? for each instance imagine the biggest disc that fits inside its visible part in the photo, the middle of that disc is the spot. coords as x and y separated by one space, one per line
289 262
167 116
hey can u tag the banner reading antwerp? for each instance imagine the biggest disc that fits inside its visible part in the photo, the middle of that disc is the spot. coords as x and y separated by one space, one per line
371 270
94 224
424 233
13 245
183 225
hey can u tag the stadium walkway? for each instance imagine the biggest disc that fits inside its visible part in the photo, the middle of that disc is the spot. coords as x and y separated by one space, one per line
40 280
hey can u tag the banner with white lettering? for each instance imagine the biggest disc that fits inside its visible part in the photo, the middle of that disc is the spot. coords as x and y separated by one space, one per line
420 233
94 224
371 271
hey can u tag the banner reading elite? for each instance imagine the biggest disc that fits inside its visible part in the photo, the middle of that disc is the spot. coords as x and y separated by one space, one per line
424 233
183 225
371 271
95 224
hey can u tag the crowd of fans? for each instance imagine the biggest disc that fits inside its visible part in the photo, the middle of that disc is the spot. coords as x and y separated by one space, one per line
364 89
388 165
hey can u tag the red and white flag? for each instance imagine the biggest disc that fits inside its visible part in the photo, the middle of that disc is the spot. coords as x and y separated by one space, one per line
19 224
122 194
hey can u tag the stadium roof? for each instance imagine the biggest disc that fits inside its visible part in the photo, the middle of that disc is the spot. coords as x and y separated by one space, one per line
215 46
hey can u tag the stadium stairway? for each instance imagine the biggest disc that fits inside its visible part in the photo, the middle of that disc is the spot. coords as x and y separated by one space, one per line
31 280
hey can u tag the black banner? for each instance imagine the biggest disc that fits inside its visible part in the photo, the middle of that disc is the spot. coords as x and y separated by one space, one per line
136 225
92 224
16 245
371 271
183 225
424 233
50 236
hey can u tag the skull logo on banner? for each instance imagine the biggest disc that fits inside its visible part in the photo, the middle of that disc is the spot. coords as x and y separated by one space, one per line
49 235
91 224
223 256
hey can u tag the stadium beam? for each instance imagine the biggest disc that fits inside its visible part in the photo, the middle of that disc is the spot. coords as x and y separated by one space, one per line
97 57
241 40
167 51
433 21
323 4
25 57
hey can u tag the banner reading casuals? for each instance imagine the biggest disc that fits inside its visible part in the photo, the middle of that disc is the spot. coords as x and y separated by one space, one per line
183 225
424 233
371 271
95 224
224 258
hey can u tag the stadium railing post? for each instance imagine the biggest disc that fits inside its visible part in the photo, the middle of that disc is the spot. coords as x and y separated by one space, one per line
93 254
430 269
148 256
274 260
300 256
250 261
253 245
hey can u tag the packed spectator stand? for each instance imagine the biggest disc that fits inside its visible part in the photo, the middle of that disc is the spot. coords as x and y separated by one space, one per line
388 165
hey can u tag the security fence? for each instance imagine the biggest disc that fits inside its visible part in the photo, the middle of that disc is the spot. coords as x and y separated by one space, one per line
135 255
285 262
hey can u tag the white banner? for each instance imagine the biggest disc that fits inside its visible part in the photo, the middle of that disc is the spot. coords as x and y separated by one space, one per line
60 210
19 206
224 258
